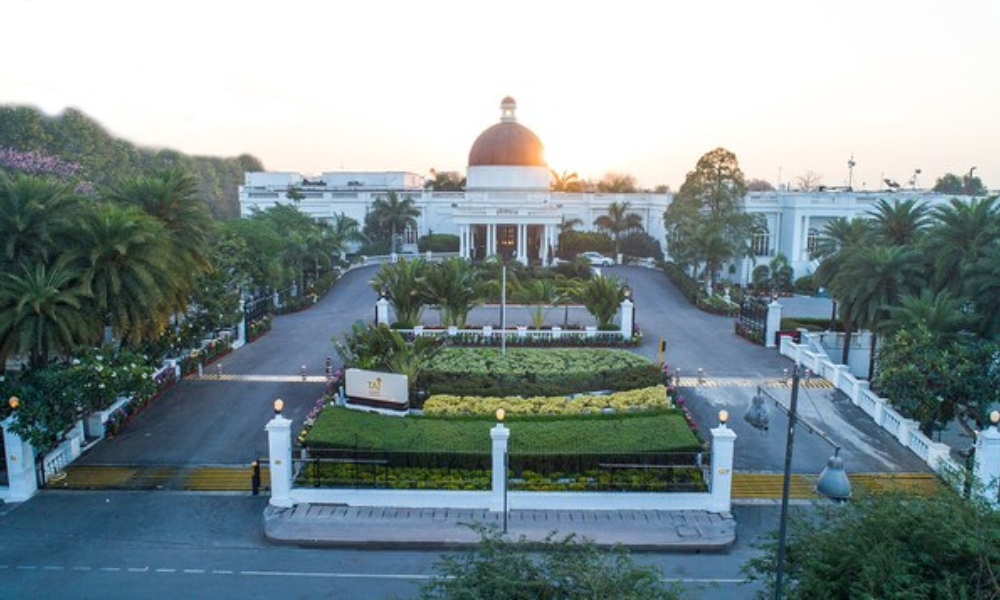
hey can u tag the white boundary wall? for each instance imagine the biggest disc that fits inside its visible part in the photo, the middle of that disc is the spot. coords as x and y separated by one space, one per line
906 431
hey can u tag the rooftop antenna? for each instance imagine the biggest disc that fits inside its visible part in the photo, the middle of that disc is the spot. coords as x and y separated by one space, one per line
913 180
850 171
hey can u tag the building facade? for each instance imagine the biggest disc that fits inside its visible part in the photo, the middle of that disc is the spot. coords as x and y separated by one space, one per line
508 210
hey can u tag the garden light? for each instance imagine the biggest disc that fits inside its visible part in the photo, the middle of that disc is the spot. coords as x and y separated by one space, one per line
723 416
501 413
995 417
279 405
14 402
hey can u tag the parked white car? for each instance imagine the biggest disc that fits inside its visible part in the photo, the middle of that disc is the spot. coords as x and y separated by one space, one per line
597 259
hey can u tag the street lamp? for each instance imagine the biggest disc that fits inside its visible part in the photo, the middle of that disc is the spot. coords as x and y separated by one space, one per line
832 483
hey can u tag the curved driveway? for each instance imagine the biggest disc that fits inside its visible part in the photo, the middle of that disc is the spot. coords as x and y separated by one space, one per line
221 422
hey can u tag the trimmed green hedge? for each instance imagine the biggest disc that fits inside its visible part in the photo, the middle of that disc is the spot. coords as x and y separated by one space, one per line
536 372
650 431
438 242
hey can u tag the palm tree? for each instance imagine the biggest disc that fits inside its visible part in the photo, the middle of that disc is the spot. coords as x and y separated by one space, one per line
602 297
394 214
565 182
959 236
838 239
127 272
874 278
709 246
899 223
983 281
940 313
567 225
618 222
540 293
343 232
170 196
40 314
402 281
35 215
451 284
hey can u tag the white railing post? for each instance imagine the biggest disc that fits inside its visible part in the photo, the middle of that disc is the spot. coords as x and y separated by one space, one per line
241 329
21 479
773 324
987 467
499 434
723 448
279 444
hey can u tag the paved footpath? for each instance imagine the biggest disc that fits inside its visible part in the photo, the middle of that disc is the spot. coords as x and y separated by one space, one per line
333 525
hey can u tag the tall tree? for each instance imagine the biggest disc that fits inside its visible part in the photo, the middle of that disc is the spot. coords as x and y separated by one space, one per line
403 281
899 223
566 182
617 183
759 185
451 285
36 216
40 313
959 235
836 242
344 231
983 283
966 185
618 222
392 215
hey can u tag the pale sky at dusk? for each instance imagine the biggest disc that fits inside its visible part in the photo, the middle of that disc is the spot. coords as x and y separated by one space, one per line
640 87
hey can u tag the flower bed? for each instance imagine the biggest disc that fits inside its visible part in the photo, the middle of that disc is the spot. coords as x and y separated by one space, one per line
211 352
651 398
530 339
259 327
535 372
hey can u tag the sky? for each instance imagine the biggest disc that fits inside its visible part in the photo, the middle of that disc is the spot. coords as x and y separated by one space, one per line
643 88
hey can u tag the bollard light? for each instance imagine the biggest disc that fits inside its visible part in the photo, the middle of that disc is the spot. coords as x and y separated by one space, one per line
14 402
995 417
279 405
723 416
501 413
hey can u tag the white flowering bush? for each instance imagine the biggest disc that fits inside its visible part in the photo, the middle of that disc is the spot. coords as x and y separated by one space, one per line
649 398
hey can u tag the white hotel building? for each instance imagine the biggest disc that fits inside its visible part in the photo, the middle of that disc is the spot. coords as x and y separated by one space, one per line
508 209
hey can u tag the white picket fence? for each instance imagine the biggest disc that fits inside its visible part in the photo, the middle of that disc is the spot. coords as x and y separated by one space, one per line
937 455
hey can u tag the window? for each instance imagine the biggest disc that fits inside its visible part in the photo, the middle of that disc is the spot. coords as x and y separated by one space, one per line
760 242
812 240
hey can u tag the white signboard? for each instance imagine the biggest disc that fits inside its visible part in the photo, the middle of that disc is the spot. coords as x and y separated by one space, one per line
392 388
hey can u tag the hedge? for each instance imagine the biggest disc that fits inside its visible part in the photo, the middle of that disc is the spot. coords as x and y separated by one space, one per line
438 242
536 372
651 398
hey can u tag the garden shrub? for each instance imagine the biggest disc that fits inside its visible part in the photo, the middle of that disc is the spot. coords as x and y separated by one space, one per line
805 285
572 243
536 372
438 242
684 282
651 398
641 244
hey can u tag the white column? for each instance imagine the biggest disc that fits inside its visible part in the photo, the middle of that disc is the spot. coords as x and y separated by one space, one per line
279 443
241 328
627 317
21 478
382 312
500 435
773 324
521 246
723 446
491 239
987 467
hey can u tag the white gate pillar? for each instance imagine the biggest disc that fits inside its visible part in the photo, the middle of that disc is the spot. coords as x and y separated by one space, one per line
382 311
723 449
627 314
987 467
279 444
773 324
20 456
498 490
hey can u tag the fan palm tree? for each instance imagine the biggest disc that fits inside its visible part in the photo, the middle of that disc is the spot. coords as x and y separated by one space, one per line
127 271
402 281
451 284
958 237
40 313
567 225
394 214
35 215
618 222
899 223
874 278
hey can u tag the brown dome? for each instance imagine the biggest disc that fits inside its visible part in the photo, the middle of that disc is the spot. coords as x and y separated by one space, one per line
507 144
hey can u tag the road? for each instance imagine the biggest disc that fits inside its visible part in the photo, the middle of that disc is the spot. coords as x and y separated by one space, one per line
180 545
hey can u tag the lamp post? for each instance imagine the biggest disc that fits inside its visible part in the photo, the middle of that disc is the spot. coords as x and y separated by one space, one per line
832 482
501 413
503 317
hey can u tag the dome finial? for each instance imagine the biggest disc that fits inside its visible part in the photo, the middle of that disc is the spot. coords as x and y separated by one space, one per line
508 108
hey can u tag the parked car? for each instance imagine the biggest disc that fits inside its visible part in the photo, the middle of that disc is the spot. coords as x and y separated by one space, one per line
597 259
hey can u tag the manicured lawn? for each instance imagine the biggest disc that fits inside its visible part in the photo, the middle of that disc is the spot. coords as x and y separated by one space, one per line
620 433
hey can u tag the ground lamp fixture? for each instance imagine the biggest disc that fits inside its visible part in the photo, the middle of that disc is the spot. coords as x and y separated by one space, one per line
14 402
279 405
832 482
